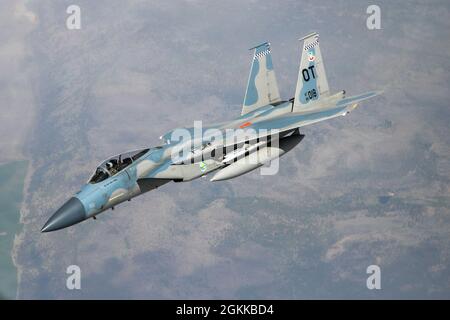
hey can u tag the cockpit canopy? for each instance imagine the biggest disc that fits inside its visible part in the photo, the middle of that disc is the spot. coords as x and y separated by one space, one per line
115 164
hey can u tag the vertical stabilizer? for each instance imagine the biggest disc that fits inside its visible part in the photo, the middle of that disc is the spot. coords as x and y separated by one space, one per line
262 88
312 83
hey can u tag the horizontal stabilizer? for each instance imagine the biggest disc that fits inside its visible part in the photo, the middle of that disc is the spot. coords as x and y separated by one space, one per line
358 98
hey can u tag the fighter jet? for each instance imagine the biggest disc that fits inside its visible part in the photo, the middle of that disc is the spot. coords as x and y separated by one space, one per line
267 128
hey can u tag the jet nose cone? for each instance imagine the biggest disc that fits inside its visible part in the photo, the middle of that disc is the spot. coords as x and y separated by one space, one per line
70 213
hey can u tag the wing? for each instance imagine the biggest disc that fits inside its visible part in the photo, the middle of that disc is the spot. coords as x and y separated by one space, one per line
221 139
301 119
286 123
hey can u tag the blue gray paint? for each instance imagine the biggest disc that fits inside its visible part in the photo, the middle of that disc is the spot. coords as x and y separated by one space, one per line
269 63
251 96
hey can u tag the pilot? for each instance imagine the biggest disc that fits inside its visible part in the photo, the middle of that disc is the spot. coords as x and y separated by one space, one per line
110 167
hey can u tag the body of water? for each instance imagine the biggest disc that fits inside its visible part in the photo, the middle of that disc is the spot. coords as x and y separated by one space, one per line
12 177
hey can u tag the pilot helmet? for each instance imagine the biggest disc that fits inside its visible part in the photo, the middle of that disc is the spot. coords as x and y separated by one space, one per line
109 165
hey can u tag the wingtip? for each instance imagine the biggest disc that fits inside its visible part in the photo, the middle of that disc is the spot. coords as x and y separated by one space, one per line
376 92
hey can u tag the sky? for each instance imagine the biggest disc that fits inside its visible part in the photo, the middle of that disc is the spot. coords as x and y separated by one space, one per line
370 188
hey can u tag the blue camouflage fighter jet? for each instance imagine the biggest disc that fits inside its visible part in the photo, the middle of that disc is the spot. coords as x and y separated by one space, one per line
267 128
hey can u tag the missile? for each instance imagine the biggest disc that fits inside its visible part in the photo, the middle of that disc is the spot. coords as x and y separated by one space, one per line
243 152
258 158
